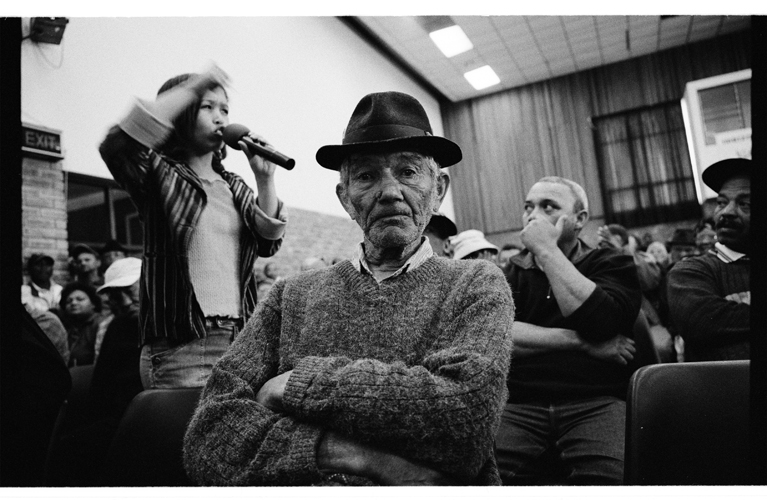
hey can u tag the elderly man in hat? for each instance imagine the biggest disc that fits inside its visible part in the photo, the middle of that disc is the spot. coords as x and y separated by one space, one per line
385 369
709 296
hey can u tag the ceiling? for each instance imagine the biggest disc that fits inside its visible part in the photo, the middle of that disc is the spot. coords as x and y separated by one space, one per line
527 49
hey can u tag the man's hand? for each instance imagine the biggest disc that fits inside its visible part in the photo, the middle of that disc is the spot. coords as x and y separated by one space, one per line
618 349
540 234
270 394
341 454
608 239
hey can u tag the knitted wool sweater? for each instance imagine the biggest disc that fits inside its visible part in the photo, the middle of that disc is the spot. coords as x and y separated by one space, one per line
709 303
415 365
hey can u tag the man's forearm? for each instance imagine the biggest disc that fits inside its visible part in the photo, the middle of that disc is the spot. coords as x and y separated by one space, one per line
532 339
569 287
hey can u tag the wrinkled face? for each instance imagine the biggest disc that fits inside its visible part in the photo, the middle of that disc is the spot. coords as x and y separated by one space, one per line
733 213
392 197
79 304
212 117
87 262
553 200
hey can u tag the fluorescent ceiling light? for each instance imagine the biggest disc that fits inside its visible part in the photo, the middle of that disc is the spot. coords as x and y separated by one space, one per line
451 41
482 78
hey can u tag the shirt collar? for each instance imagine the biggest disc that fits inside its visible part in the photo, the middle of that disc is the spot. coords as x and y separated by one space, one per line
421 255
726 254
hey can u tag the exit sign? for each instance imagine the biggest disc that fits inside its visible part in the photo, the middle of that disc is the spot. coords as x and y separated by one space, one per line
40 141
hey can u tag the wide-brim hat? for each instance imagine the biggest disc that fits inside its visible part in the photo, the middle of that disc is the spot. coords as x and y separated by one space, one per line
442 224
123 272
385 122
468 242
718 173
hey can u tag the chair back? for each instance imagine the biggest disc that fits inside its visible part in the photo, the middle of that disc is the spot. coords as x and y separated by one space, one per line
688 424
73 414
646 352
147 448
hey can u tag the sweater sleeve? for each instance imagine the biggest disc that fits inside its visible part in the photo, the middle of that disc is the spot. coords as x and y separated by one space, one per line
614 304
127 149
231 439
444 409
699 313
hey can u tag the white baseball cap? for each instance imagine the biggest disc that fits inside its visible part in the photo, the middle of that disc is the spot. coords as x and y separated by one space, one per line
123 272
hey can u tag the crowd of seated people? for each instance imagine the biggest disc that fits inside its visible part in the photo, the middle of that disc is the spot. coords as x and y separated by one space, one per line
558 412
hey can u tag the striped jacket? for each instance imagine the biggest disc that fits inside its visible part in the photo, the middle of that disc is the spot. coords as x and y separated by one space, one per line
170 198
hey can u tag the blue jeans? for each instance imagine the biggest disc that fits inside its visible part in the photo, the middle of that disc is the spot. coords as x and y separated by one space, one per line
579 442
167 366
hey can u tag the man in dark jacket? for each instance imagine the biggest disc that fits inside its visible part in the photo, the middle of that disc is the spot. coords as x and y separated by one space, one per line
575 308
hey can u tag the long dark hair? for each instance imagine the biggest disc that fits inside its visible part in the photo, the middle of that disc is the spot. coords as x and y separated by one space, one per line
177 146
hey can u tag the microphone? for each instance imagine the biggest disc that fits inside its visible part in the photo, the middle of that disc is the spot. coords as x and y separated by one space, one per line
234 132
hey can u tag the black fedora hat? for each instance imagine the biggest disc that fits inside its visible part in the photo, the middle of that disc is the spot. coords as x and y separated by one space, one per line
113 246
718 173
385 122
442 225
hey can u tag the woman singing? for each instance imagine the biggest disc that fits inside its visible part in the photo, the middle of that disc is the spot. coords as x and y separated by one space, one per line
203 226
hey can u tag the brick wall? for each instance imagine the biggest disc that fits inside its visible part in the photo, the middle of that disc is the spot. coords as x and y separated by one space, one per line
312 234
44 213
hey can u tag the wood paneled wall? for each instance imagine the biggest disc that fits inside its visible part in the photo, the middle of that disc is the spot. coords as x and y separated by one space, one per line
511 139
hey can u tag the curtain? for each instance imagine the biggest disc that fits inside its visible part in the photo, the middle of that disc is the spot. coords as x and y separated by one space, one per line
645 167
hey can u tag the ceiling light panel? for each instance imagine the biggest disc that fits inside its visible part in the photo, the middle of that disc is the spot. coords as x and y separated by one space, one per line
482 78
451 41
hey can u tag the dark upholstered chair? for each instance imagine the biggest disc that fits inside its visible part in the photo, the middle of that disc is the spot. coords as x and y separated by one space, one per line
146 450
688 424
646 352
74 412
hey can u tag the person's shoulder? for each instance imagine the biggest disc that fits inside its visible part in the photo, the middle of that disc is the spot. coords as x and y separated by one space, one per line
306 278
472 270
705 261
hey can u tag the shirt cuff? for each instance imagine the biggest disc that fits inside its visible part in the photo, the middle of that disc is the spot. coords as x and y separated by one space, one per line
144 127
271 228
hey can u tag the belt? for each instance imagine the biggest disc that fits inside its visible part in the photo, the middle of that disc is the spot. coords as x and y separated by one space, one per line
224 322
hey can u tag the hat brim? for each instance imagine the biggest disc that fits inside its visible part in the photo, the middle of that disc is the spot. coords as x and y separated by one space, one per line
444 226
444 151
718 173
